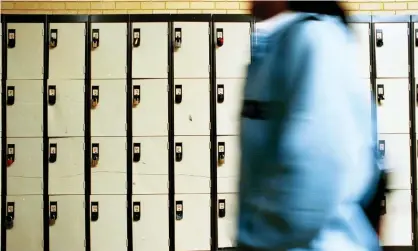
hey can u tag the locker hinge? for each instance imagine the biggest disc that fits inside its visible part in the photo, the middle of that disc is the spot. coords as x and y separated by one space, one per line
369 32
208 30
126 145
210 126
409 68
370 68
42 187
168 186
42 147
168 126
210 241
84 129
84 206
42 204
168 88
84 88
209 68
84 70
168 205
84 185
85 243
85 32
168 30
409 126
210 184
43 72
249 31
210 145
168 145
42 128
126 242
169 242
410 180
168 69
126 127
126 69
84 146
43 32
42 244
126 187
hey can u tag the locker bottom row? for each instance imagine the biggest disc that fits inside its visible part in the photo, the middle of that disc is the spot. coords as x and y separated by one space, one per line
108 229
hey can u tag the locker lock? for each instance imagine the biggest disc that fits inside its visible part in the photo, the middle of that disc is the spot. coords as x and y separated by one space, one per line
221 93
179 210
10 215
178 94
53 38
416 37
10 100
94 211
136 211
380 93
10 154
382 148
219 37
94 96
221 208
179 152
177 38
11 38
383 206
52 94
136 37
136 95
53 212
137 152
221 153
379 38
95 38
52 152
416 90
94 155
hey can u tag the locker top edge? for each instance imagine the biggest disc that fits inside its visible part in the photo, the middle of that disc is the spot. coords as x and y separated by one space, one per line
23 18
232 18
68 18
109 18
191 17
391 19
149 17
360 18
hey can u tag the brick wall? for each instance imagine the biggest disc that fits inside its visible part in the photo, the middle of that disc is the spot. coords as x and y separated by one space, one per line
173 6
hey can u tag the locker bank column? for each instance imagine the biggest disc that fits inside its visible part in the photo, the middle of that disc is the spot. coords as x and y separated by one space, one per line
391 47
24 100
232 54
191 100
108 52
65 100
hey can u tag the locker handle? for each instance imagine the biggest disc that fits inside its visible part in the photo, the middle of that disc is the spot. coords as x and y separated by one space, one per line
178 92
10 215
136 99
136 211
52 152
53 212
94 96
177 38
10 99
137 152
221 208
136 37
220 93
179 210
221 153
10 154
94 211
95 38
179 152
380 93
11 38
52 94
379 38
95 155
219 37
53 38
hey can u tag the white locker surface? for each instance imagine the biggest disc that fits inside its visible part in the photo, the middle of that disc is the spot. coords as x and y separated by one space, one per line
228 111
108 118
150 58
150 232
108 233
396 223
192 114
234 55
26 59
150 116
25 116
67 59
393 112
193 230
109 176
27 231
392 57
397 160
191 60
25 175
192 171
362 37
150 173
68 231
228 172
66 116
227 224
66 174
108 60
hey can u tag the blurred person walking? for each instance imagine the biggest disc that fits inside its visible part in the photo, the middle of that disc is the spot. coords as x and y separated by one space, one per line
307 145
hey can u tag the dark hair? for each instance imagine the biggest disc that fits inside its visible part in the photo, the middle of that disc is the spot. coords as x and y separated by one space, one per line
331 8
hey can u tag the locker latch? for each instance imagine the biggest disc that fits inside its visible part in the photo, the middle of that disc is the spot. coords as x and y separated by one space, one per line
179 210
383 206
137 211
380 93
11 38
10 154
10 95
382 148
94 210
95 38
219 37
137 37
94 155
136 95
52 152
221 206
137 152
179 152
221 153
53 212
94 96
379 38
220 94
416 37
177 38
52 94
10 216
53 38
178 94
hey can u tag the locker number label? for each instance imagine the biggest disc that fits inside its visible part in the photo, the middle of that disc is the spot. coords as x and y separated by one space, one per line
11 150
220 91
178 149
94 209
137 208
178 91
179 207
95 92
10 209
53 208
95 149
136 91
221 206
136 149
221 148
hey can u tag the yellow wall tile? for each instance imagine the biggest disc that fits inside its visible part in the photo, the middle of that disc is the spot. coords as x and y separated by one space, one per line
177 5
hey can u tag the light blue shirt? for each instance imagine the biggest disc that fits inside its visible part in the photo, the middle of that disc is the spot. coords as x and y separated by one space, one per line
305 171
